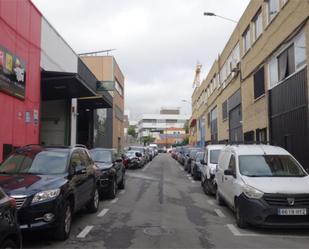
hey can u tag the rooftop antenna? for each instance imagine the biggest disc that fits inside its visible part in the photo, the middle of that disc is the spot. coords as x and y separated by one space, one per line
95 53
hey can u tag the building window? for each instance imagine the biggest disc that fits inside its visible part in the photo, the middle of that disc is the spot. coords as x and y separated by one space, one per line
208 119
273 7
300 50
257 25
249 136
224 110
273 72
246 40
286 63
259 83
261 135
118 87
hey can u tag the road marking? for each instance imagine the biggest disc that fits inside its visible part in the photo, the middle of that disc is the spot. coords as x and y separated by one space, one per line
235 231
84 233
103 212
190 178
147 166
115 200
122 192
192 181
179 167
211 202
220 213
188 175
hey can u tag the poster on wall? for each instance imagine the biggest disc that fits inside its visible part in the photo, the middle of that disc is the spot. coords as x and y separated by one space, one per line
12 74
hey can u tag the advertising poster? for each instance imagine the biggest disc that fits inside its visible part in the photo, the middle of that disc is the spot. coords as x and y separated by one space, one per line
12 74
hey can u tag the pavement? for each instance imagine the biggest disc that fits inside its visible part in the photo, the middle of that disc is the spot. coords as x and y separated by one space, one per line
163 207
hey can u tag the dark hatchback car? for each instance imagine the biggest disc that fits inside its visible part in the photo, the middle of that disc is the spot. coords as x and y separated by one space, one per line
111 171
10 235
134 159
49 185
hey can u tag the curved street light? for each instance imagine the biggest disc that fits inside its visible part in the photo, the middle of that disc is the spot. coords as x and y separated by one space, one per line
213 14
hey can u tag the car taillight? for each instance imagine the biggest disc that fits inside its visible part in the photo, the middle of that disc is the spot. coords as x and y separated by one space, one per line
12 202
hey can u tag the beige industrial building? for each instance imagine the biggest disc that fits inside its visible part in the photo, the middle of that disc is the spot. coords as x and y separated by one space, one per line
257 89
111 79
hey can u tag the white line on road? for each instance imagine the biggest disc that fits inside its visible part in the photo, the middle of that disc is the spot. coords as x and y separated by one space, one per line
103 212
190 178
192 181
220 213
188 175
211 202
122 192
236 232
84 233
180 167
115 200
147 166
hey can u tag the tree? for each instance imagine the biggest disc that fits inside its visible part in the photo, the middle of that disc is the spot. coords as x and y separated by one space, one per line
148 140
132 131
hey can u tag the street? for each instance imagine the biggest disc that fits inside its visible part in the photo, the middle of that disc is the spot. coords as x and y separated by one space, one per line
162 207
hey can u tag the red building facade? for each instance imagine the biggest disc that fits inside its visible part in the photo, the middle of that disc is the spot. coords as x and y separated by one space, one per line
20 50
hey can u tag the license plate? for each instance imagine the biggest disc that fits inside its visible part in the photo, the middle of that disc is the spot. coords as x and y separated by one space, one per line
292 211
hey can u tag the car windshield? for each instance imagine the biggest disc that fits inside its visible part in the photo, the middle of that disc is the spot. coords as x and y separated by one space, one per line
199 156
214 156
102 156
139 149
131 153
43 162
270 166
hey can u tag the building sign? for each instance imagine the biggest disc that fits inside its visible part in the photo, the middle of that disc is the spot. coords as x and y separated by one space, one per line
12 74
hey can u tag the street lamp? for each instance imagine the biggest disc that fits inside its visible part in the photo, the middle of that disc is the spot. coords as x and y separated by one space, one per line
213 14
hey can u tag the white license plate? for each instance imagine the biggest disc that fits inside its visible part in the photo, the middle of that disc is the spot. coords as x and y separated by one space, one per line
292 211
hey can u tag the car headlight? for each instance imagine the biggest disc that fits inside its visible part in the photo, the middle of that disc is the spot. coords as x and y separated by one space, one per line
46 195
213 170
252 193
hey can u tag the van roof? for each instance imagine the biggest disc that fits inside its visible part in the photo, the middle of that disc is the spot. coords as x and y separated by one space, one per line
215 146
257 150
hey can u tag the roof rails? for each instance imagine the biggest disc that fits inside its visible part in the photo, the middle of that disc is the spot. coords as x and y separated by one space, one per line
80 146
247 142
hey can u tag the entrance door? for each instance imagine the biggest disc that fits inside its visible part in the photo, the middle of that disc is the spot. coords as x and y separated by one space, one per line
289 116
235 125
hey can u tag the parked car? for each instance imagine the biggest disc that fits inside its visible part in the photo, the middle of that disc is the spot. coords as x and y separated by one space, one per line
111 171
196 165
265 185
188 158
142 150
182 155
49 185
134 159
10 235
208 171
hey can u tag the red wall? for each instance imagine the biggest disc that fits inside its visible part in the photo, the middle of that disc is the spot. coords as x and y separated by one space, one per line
20 29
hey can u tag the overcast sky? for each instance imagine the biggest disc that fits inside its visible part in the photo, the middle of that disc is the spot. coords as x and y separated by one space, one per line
158 42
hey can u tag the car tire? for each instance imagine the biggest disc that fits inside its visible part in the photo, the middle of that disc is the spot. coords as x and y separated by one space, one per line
240 220
7 244
93 204
195 175
206 187
62 231
219 199
112 190
122 184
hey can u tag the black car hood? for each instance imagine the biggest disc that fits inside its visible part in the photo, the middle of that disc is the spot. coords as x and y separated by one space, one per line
24 184
104 166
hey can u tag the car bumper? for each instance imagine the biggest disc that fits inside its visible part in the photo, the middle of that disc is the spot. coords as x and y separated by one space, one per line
259 213
32 217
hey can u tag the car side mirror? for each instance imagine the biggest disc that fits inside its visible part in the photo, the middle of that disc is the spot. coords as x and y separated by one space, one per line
80 169
203 162
229 172
138 154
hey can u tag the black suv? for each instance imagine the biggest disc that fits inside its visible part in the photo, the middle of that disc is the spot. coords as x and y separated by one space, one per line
49 185
111 171
10 235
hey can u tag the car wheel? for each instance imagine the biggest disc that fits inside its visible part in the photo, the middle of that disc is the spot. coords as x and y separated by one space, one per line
122 184
112 191
8 244
240 220
195 176
206 187
63 230
219 199
93 205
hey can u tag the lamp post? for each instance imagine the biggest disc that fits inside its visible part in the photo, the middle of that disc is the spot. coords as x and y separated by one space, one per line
213 14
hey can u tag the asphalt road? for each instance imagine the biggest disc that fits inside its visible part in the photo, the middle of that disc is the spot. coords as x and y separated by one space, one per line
162 207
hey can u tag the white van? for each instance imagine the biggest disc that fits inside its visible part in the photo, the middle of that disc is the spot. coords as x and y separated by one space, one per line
265 185
208 170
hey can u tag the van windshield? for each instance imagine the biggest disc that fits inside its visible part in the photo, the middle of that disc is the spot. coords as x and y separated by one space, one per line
214 156
270 166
